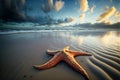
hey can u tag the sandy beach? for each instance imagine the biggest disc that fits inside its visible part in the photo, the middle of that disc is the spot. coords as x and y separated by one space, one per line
20 51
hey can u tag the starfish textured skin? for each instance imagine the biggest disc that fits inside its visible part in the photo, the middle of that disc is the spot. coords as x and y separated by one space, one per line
67 56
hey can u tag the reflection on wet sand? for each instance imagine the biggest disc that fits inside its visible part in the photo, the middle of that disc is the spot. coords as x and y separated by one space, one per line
111 38
77 39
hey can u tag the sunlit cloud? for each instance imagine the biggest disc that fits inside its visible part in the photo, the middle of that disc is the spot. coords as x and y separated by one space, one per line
47 7
109 22
107 14
118 19
50 3
59 5
111 38
71 22
117 14
92 8
82 16
84 5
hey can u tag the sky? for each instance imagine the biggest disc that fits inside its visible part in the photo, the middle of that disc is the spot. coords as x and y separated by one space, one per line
67 12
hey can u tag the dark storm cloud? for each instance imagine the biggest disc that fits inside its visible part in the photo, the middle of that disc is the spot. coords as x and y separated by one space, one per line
22 3
13 9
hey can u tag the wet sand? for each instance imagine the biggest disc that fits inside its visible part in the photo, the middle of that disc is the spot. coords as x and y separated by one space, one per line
20 51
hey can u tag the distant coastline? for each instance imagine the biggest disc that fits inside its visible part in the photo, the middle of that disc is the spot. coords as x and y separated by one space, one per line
8 26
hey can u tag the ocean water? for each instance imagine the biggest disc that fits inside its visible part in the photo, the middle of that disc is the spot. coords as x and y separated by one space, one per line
20 50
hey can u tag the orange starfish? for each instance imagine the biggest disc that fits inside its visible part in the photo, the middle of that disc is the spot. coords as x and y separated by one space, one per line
67 56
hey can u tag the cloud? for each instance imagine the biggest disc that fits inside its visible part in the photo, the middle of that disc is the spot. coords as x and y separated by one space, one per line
109 22
47 7
117 14
68 21
13 9
111 1
59 5
119 20
7 3
107 8
50 3
82 16
107 14
84 5
92 8
23 2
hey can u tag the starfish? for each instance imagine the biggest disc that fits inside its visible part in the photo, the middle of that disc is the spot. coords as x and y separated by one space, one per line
67 56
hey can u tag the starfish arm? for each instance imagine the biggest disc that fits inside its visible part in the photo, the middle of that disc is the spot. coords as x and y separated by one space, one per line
51 52
74 64
77 53
66 48
51 63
